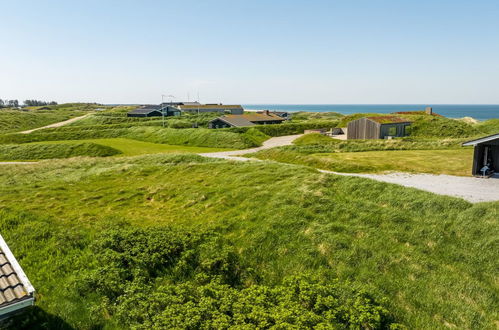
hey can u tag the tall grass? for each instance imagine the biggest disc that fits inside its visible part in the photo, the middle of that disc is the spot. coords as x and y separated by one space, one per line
192 137
426 254
49 151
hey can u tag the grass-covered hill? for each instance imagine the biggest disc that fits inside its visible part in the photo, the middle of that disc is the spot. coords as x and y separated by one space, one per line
54 150
199 137
426 126
14 120
183 241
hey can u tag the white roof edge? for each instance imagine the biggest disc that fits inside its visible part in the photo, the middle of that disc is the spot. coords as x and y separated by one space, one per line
15 265
481 140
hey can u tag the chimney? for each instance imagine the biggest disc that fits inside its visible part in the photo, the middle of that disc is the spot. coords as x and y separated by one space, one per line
267 112
429 111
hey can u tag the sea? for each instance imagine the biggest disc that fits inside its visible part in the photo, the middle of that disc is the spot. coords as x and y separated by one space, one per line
478 112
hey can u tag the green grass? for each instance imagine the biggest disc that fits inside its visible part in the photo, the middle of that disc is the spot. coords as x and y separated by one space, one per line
490 126
433 258
195 137
129 147
314 143
16 120
54 150
452 162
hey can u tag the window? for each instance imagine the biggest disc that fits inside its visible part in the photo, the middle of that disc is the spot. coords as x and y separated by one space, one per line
392 130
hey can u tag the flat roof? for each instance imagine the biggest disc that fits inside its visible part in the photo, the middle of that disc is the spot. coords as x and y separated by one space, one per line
482 140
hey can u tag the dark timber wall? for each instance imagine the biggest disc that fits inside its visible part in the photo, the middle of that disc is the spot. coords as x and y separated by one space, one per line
363 128
479 156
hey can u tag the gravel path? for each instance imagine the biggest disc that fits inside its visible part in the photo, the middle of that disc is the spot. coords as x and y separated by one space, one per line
469 188
59 124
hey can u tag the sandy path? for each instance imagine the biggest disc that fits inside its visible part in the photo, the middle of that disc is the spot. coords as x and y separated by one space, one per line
59 124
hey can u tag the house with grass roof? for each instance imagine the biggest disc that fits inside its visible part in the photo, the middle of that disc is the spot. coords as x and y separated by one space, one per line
16 291
380 127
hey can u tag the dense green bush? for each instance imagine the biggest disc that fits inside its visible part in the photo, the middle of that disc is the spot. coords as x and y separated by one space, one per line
53 150
171 278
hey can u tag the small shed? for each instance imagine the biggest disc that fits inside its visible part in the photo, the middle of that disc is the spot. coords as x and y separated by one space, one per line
16 291
381 127
486 153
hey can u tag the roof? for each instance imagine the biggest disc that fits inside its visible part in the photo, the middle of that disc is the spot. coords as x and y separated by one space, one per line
482 140
179 103
248 119
144 110
235 121
388 120
274 112
256 117
417 113
16 291
210 106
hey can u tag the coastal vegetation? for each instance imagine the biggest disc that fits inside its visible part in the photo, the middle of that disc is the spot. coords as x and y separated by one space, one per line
448 161
160 240
53 150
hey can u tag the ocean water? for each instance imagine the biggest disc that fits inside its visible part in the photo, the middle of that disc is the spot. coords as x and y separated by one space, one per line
479 112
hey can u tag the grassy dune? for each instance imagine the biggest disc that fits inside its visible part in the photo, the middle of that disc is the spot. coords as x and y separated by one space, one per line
433 258
189 137
453 162
55 150
129 147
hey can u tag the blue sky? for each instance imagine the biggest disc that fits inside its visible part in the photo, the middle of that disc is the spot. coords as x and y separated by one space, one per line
371 51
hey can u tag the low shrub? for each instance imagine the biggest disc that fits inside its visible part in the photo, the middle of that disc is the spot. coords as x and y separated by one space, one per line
174 278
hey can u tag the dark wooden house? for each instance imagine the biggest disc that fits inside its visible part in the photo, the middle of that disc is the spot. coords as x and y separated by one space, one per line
146 111
486 153
380 127
245 120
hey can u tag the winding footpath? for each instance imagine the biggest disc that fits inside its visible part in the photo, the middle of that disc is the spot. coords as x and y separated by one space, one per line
59 124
